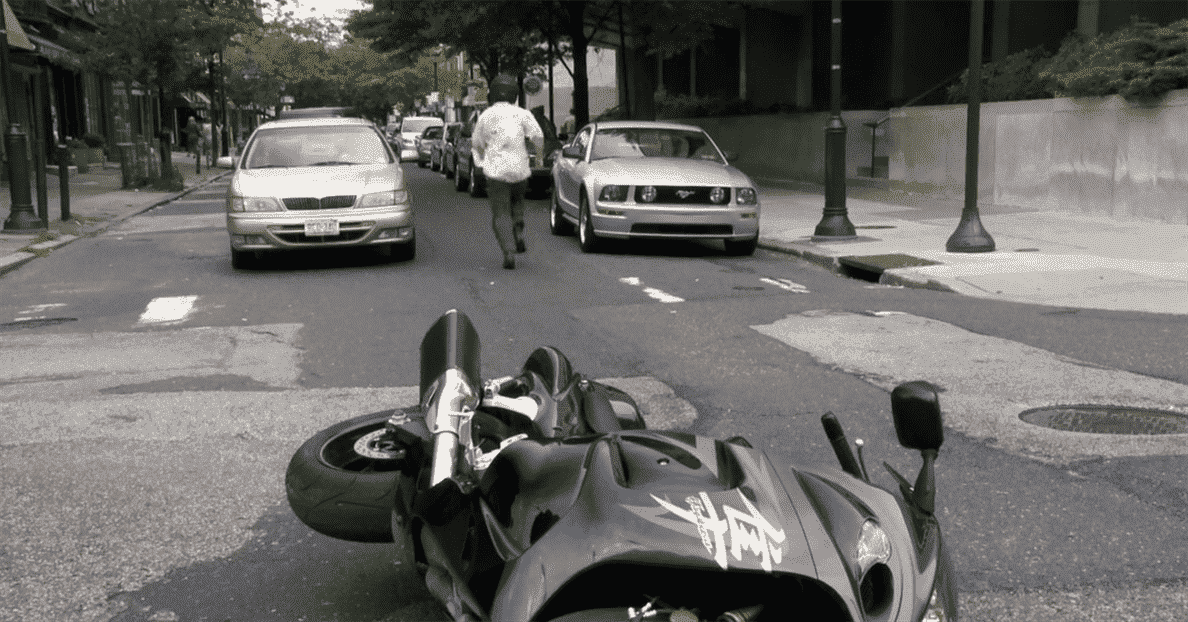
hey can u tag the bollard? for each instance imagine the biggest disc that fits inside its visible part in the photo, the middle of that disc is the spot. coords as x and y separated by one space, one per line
198 160
22 216
64 180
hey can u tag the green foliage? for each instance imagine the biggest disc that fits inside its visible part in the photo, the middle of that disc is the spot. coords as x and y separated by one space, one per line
1141 61
1013 78
691 107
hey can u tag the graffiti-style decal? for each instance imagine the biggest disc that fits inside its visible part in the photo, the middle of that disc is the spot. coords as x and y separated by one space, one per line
748 531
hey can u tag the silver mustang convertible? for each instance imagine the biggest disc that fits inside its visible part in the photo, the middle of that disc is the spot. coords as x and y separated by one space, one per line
651 179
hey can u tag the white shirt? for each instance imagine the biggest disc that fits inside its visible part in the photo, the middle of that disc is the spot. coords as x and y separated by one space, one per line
497 142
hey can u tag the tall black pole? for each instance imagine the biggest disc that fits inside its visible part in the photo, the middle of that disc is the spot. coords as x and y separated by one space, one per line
970 236
16 145
835 223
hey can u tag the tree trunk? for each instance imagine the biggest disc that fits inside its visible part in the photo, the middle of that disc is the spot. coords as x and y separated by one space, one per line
581 81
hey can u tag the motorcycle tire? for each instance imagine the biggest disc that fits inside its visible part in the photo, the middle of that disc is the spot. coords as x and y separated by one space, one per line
340 493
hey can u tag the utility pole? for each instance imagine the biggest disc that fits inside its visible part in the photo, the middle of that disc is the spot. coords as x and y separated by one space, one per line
835 222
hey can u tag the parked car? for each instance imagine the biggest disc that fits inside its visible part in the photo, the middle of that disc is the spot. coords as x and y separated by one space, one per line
425 144
651 179
467 176
318 183
443 152
410 129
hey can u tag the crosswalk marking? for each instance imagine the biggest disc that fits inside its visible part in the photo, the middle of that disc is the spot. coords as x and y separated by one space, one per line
167 309
651 291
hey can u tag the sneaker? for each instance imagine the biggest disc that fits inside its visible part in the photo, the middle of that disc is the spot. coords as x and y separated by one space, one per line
520 246
509 262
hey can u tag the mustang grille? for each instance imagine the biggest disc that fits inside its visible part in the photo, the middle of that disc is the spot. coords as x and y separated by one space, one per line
683 195
337 202
667 229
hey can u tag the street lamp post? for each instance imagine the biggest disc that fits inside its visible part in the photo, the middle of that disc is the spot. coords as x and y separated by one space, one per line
16 145
835 223
970 236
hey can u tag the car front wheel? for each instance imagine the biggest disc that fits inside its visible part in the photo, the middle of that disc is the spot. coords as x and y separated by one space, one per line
459 181
589 241
557 223
476 190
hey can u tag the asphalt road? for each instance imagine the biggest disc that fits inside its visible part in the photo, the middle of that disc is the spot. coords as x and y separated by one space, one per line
154 396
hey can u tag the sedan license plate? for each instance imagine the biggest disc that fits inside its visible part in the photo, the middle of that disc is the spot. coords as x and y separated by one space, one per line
323 226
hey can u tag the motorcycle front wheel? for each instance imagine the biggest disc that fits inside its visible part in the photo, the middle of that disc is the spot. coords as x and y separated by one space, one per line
342 482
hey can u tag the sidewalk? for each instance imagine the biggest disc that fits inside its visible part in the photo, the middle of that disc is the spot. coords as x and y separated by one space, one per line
96 203
1059 259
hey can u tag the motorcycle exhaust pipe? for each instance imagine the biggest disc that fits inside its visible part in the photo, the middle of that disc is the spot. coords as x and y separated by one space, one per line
746 614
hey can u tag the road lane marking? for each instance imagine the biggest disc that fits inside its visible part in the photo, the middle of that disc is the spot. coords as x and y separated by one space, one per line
786 285
32 311
651 291
167 309
986 381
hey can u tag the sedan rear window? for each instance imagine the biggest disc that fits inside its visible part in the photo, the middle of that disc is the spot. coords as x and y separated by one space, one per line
620 142
316 146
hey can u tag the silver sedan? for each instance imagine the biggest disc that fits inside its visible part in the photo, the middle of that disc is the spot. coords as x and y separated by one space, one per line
651 179
318 183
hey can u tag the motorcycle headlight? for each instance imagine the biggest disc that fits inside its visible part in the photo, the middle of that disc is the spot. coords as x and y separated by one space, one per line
253 204
874 547
385 198
935 611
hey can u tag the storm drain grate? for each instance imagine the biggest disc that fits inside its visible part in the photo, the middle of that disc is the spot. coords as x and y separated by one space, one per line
1107 419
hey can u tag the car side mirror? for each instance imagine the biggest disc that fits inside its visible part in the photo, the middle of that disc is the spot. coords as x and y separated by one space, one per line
571 151
916 411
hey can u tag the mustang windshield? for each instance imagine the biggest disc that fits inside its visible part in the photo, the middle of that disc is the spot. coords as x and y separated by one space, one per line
328 145
649 142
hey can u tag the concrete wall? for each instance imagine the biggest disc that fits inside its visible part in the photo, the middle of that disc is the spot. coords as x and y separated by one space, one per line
1098 155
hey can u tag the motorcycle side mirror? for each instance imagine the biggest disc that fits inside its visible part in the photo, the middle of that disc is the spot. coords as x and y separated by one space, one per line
916 411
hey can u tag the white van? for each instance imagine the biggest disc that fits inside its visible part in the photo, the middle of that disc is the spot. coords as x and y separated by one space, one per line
410 128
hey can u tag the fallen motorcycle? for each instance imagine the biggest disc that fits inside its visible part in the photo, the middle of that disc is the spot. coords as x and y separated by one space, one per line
542 496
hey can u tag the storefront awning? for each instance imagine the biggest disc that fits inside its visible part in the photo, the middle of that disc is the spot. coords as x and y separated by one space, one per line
56 53
16 35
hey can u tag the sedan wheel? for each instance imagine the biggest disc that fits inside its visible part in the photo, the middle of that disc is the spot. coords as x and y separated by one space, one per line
476 190
589 242
448 169
557 223
459 181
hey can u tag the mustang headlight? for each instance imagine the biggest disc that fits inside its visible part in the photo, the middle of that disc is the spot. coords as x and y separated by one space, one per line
718 195
935 611
385 198
647 194
613 193
745 196
874 547
253 204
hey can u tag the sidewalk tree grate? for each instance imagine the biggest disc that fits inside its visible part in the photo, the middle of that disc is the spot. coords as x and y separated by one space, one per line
1098 419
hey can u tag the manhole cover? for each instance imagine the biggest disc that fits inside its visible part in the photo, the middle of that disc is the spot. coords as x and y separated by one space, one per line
1107 419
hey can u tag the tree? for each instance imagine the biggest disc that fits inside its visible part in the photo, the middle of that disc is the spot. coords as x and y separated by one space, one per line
160 43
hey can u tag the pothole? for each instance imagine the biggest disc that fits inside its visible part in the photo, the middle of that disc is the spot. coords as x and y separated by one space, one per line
1097 419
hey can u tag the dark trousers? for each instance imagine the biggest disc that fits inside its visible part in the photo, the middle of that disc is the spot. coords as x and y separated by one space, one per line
507 212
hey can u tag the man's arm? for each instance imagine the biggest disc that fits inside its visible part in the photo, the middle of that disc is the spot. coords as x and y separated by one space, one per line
533 133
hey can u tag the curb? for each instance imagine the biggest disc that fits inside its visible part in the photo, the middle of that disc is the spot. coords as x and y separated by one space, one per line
16 260
832 263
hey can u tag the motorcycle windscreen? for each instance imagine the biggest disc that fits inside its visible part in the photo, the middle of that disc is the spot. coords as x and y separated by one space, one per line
451 343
